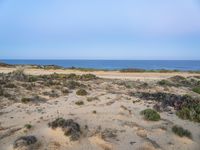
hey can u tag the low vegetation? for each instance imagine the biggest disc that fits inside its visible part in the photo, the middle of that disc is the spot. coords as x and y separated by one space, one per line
190 112
79 103
196 90
81 92
69 127
28 126
26 100
150 114
181 131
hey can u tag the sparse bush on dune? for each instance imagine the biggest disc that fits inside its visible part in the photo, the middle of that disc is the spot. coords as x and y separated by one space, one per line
87 77
81 92
165 83
69 127
28 126
79 103
150 114
73 84
190 112
181 132
10 85
25 100
196 90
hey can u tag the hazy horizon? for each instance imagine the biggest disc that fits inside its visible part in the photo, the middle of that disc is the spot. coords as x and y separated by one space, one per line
100 30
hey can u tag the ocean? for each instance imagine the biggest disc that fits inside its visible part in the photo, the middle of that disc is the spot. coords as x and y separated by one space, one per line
183 65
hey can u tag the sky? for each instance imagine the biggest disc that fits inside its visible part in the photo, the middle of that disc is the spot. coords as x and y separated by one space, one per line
100 29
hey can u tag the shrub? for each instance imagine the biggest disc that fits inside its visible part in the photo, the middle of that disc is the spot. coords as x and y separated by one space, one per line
69 127
32 78
190 112
88 77
10 85
73 84
25 100
79 103
81 92
196 90
150 114
164 83
28 126
181 132
94 111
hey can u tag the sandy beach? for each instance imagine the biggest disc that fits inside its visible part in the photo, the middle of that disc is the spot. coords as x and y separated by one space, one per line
105 109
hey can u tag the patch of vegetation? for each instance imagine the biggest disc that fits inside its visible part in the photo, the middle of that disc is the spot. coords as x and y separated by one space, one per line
28 126
181 132
87 77
65 91
73 84
81 92
164 83
69 127
190 112
90 99
32 78
79 103
94 111
10 85
26 100
150 114
196 90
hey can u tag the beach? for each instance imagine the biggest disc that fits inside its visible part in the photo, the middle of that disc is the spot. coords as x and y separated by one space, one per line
105 108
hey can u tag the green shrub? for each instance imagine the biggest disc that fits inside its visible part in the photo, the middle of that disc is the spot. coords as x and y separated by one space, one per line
25 100
81 92
181 132
32 78
164 83
190 112
196 90
79 103
73 84
88 77
150 114
28 126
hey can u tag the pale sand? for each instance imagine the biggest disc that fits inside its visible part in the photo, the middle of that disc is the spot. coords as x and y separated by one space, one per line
115 111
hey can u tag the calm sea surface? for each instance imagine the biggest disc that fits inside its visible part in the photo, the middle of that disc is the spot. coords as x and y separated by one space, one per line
183 65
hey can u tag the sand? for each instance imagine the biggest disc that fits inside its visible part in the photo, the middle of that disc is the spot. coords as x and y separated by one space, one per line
115 111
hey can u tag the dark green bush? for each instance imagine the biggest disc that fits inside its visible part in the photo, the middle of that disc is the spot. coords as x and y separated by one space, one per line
190 112
25 100
196 90
79 103
164 83
81 92
150 114
181 132
28 126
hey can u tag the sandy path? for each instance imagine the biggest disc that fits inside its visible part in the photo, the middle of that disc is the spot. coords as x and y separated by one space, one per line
104 74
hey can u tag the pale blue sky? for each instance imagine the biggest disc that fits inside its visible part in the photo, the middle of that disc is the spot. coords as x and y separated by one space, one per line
100 29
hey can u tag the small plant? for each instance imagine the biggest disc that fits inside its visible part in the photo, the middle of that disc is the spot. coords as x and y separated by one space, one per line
150 114
181 132
28 126
81 92
25 100
164 83
10 85
190 112
79 103
94 111
196 90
